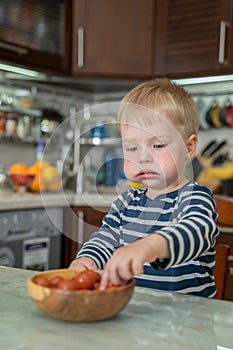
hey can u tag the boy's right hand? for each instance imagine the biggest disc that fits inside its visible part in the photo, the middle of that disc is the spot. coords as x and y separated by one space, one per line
83 262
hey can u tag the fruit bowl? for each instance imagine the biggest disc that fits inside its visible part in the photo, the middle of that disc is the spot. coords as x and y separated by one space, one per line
20 182
77 305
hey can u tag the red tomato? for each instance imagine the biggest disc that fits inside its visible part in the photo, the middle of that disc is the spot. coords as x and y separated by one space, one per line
94 274
67 284
97 286
55 280
84 280
43 281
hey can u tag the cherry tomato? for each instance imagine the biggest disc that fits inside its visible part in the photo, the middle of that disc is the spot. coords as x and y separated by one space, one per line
84 280
97 286
43 281
55 280
94 274
67 284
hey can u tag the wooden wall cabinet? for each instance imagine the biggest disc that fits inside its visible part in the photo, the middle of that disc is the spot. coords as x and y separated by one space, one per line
145 39
36 34
113 38
79 223
193 38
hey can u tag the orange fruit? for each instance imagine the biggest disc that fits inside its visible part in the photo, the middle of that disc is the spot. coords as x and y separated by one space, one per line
18 168
38 184
40 165
33 170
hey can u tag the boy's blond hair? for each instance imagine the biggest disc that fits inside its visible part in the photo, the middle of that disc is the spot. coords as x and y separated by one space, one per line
164 97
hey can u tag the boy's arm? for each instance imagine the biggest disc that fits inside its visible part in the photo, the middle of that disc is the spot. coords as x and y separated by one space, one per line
194 233
101 245
83 262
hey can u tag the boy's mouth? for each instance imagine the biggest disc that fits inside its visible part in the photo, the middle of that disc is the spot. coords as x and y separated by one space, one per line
147 175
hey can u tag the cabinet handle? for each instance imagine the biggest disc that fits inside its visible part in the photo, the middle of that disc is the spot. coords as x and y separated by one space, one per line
19 50
80 47
80 226
222 42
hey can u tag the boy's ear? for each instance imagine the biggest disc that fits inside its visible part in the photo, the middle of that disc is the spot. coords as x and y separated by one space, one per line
191 146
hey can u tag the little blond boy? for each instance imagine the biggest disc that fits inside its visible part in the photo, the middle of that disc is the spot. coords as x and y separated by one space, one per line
164 234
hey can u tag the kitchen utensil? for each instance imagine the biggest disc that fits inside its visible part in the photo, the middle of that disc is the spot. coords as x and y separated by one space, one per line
208 148
229 115
202 109
216 147
208 155
221 159
78 305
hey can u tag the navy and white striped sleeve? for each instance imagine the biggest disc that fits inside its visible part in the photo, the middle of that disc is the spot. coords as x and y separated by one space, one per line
195 230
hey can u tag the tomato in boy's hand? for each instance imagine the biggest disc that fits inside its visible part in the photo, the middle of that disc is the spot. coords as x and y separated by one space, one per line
84 280
97 286
94 274
43 281
67 284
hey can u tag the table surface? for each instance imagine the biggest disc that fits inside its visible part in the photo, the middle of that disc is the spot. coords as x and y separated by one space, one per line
152 320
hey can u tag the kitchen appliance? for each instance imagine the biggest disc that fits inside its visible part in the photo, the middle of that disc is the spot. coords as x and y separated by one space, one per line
30 239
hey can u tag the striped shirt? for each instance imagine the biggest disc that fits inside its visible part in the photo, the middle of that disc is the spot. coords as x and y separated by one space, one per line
186 218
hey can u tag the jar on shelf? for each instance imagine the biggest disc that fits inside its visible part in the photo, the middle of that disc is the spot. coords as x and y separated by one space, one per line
11 124
24 126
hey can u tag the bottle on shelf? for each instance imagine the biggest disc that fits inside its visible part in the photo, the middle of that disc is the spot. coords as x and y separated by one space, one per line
110 167
40 150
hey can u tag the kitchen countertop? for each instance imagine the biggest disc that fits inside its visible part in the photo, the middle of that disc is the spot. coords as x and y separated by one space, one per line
10 200
152 320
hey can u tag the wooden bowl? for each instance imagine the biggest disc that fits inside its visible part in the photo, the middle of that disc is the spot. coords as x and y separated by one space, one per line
78 305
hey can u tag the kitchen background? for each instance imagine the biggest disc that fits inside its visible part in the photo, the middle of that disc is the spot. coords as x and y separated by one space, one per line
25 110
73 63
61 58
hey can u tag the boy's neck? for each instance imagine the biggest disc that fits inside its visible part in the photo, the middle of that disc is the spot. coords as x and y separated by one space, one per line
152 194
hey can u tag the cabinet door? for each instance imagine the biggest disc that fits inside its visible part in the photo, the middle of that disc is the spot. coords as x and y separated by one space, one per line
193 38
113 38
79 223
36 34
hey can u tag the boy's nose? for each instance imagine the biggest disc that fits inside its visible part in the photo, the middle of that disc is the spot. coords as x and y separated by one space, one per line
145 155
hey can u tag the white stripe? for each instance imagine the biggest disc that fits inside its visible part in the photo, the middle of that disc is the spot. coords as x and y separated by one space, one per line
155 278
142 221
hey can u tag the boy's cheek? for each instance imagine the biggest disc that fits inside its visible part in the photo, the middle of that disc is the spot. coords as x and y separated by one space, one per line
129 167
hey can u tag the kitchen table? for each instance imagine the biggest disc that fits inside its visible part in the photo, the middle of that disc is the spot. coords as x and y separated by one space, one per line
152 320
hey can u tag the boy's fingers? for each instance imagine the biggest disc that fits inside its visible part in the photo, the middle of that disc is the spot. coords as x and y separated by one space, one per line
104 281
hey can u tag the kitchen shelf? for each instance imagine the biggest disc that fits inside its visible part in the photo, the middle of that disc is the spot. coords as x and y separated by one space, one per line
28 111
17 140
100 142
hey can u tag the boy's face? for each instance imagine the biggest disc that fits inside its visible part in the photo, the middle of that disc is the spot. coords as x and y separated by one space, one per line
154 156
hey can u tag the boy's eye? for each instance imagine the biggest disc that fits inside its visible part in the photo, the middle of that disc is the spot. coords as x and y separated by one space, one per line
131 149
159 146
